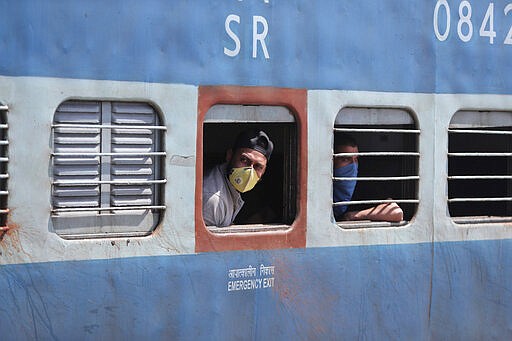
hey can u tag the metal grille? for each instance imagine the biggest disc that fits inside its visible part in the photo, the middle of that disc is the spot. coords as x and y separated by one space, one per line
4 160
479 173
106 158
401 179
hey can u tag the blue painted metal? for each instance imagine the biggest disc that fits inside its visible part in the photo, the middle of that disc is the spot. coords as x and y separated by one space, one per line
366 292
440 291
350 45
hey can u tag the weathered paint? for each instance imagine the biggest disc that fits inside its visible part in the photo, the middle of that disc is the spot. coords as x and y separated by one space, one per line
350 45
417 291
430 279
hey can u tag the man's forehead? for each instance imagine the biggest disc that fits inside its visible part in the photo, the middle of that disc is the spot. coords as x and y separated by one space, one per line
346 149
254 154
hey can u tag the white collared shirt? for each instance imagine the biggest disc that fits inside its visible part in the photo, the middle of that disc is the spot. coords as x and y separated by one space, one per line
221 201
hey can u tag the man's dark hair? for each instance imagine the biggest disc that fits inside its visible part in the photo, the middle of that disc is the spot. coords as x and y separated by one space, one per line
344 139
255 139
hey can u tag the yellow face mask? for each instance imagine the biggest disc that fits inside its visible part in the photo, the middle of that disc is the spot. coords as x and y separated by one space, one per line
243 178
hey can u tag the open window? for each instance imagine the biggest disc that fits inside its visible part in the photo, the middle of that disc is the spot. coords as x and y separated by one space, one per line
271 205
480 167
387 141
273 214
107 168
4 175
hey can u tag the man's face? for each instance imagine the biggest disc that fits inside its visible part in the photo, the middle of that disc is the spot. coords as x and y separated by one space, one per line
342 161
246 157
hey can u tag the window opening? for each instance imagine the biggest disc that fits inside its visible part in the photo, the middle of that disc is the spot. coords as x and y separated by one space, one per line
272 203
479 167
4 175
387 141
107 164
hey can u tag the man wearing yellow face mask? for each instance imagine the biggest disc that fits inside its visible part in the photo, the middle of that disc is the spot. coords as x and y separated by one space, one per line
245 164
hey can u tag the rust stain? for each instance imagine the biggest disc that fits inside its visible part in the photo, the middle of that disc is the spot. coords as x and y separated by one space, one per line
295 296
9 228
9 236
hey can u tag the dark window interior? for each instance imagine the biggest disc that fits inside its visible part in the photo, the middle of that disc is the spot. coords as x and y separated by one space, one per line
480 166
273 200
3 164
386 166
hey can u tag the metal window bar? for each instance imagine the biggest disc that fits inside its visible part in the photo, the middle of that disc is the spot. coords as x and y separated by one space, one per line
4 175
480 177
480 199
375 202
112 208
108 126
475 131
109 182
378 154
377 130
480 154
378 178
111 154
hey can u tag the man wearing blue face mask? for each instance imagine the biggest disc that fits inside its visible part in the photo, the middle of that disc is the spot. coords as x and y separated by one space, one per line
245 164
347 167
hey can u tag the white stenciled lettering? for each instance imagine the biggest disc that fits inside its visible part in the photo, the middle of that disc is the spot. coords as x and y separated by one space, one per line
230 18
444 4
268 282
467 21
241 279
508 38
248 284
259 36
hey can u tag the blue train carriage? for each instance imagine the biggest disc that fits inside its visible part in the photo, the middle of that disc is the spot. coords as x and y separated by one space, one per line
111 112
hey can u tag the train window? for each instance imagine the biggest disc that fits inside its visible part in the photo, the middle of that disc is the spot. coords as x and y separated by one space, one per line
479 167
375 167
107 167
270 205
4 159
273 214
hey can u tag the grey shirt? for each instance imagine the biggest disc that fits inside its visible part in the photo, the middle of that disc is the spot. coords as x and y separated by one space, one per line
221 201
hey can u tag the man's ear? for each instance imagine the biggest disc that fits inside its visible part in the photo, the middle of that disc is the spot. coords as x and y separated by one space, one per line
229 155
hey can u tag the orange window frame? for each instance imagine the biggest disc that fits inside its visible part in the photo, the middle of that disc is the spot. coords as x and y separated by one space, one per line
293 237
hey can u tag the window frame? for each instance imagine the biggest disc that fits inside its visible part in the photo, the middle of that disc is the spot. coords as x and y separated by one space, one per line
366 118
108 219
472 122
277 121
295 100
4 175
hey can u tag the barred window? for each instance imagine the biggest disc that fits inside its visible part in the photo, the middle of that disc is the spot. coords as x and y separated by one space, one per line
387 161
107 167
480 167
4 175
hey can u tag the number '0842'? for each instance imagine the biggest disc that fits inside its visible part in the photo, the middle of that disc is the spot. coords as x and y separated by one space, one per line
466 22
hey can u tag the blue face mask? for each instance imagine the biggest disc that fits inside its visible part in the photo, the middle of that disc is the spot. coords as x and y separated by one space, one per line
343 190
